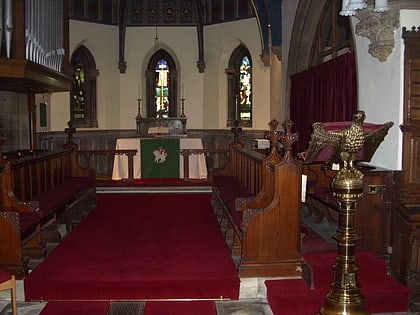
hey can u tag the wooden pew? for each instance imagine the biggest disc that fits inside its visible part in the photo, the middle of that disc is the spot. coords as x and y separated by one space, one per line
257 201
37 192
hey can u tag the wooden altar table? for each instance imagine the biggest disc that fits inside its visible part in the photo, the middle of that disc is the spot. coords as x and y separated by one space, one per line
197 162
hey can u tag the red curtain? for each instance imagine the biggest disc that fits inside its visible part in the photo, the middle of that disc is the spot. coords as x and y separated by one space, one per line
326 92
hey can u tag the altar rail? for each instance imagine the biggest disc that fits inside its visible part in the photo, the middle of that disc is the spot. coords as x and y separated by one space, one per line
215 142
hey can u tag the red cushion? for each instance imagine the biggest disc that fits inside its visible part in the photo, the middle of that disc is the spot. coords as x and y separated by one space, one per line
58 196
4 276
231 189
28 221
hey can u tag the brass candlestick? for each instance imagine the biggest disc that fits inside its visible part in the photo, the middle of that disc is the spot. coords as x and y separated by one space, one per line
138 117
182 107
138 108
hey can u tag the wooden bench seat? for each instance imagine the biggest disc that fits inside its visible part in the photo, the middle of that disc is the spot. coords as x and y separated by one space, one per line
37 193
257 202
229 190
61 198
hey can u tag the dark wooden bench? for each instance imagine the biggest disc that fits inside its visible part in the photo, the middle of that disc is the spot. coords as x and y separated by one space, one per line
37 192
257 199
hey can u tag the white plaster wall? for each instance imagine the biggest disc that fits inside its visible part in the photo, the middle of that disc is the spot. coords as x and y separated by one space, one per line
181 44
205 93
220 41
381 91
59 111
102 41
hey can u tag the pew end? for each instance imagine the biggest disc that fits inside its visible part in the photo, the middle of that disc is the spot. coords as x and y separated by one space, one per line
257 201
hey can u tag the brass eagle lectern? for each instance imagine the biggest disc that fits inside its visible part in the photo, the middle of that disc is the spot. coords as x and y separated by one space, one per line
344 297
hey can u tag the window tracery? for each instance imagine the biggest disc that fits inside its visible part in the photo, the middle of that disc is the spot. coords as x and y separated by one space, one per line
161 86
83 92
239 75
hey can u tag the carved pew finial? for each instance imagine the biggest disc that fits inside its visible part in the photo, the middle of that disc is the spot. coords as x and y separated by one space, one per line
273 133
287 138
236 130
70 131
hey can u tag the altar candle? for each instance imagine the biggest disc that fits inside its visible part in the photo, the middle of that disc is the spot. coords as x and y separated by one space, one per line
139 91
182 90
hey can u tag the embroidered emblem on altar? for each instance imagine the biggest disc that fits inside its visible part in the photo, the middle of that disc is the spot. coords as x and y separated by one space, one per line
160 155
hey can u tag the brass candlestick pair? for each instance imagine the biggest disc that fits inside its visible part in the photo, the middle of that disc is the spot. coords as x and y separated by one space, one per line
139 108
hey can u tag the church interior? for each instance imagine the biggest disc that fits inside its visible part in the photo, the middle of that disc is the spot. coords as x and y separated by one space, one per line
209 157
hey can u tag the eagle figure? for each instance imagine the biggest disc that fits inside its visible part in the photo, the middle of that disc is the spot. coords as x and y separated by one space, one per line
345 143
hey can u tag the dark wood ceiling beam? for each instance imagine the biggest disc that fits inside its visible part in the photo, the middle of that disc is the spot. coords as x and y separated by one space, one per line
268 14
122 25
199 13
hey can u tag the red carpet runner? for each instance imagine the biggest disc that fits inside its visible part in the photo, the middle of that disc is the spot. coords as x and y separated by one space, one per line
140 246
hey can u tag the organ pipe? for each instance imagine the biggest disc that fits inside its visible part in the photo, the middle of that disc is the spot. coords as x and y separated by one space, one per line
43 31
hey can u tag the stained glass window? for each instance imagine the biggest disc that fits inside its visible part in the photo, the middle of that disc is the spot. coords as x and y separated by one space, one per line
79 93
161 86
162 89
239 75
245 85
83 91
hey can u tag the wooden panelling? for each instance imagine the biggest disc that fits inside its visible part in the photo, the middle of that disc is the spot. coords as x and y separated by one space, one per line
411 124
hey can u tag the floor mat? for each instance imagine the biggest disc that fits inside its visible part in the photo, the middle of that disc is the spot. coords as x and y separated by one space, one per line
126 308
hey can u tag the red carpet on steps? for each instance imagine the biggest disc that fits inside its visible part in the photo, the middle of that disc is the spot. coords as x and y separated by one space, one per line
75 308
382 293
180 308
314 243
151 308
140 246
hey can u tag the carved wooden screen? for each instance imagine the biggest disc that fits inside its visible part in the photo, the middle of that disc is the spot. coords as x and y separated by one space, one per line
411 124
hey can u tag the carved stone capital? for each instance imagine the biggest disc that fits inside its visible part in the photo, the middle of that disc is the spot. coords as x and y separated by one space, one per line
265 58
276 50
122 65
201 66
379 28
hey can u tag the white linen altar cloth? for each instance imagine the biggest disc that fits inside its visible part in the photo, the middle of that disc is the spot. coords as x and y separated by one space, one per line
197 162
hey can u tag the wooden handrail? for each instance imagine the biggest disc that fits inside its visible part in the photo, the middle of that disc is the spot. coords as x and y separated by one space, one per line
130 153
186 154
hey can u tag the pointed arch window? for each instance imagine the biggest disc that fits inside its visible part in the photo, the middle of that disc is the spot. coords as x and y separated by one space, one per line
83 92
161 90
162 103
333 36
240 87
